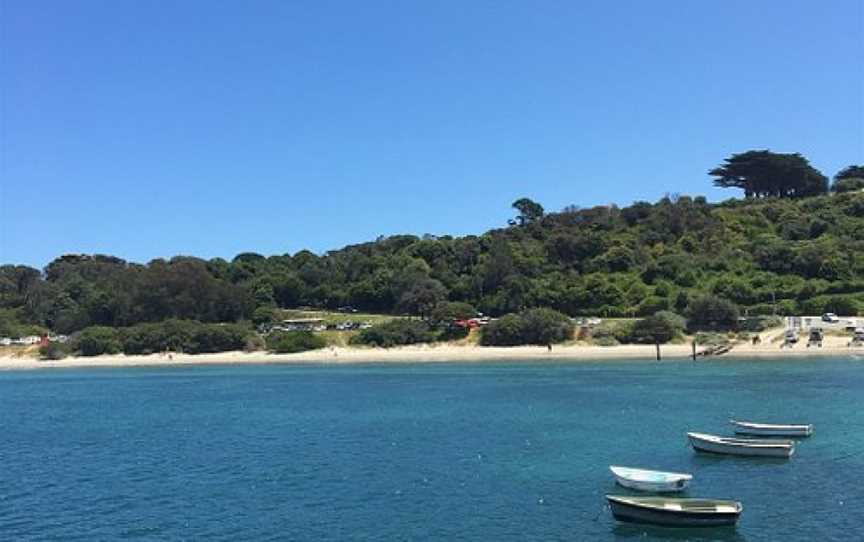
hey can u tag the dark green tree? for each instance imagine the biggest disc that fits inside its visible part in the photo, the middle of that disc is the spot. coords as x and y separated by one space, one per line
768 174
850 172
98 340
422 297
711 313
659 328
849 179
529 211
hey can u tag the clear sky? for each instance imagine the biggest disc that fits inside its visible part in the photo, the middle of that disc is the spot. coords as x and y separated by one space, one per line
148 129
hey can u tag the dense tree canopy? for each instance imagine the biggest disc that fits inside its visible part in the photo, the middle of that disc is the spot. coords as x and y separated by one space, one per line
849 179
529 211
762 256
769 174
850 172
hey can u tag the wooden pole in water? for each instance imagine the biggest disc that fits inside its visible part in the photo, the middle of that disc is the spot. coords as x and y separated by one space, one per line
658 351
694 349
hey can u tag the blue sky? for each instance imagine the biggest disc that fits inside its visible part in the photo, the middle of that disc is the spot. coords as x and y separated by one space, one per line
150 129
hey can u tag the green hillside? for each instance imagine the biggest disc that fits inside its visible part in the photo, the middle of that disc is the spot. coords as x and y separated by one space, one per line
768 255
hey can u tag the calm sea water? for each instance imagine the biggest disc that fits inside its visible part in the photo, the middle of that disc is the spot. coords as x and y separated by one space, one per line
510 451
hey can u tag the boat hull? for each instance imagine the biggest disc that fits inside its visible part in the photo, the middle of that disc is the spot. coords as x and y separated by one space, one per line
771 430
781 449
641 480
654 487
626 512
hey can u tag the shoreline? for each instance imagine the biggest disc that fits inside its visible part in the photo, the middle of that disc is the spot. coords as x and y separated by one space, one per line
432 353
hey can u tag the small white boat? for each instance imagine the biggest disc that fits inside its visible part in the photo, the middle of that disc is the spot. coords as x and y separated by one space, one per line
674 512
651 480
742 446
772 429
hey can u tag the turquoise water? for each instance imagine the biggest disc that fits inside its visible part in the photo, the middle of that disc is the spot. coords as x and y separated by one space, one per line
510 451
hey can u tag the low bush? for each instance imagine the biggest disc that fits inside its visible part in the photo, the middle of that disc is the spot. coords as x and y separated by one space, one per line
610 333
290 342
841 305
186 336
534 326
98 340
254 343
53 351
659 328
395 333
453 333
711 313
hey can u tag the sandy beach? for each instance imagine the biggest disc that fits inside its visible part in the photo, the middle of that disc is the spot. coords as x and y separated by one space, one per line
832 346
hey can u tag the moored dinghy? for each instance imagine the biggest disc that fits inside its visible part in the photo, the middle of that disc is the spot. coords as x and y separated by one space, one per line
742 446
651 480
675 512
772 429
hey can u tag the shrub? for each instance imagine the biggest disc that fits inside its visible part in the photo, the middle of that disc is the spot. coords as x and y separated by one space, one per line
263 315
712 313
53 351
606 341
534 326
611 333
652 304
453 333
453 310
207 338
171 335
98 340
852 184
678 322
254 343
505 331
184 336
658 328
290 342
838 304
395 333
653 329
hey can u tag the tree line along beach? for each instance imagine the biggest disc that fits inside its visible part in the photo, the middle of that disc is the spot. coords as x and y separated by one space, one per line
731 277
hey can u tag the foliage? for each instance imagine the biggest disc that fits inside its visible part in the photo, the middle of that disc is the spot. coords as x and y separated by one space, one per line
289 342
851 184
395 333
534 326
264 315
850 172
529 211
610 333
184 336
98 340
447 311
712 313
505 331
838 304
422 296
766 174
53 351
658 329
254 343
766 255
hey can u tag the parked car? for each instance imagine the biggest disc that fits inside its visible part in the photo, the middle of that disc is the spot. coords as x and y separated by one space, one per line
816 337
830 317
